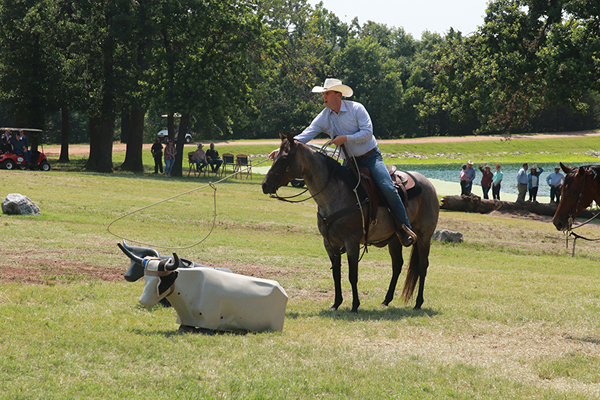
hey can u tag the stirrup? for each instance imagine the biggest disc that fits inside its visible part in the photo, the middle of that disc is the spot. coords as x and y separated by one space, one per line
407 236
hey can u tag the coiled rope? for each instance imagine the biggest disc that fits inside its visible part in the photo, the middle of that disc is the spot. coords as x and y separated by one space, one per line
209 184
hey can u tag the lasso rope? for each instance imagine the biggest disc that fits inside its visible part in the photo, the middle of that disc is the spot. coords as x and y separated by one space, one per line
210 184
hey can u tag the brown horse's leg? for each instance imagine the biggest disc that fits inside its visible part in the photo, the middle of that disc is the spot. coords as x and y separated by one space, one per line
353 254
395 249
336 270
422 260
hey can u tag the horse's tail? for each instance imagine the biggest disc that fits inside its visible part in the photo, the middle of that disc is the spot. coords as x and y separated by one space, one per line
412 275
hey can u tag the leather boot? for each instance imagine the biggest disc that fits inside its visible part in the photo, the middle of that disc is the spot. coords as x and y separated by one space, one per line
406 235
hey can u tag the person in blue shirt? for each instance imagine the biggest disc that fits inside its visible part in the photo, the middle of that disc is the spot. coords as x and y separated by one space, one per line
522 182
470 177
349 123
555 180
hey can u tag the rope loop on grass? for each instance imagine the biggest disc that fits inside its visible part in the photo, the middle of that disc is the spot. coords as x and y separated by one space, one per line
209 184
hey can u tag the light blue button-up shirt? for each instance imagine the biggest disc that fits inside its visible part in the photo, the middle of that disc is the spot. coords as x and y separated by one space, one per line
522 176
353 120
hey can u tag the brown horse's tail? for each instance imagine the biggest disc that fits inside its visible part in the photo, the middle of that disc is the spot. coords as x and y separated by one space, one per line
412 275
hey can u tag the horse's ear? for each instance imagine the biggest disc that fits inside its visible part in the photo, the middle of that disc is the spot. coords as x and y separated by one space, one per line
290 139
565 169
281 136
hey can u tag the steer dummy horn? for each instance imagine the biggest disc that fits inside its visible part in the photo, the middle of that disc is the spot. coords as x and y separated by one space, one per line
137 259
173 263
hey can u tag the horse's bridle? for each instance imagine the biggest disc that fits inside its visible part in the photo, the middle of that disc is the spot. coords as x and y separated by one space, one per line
570 227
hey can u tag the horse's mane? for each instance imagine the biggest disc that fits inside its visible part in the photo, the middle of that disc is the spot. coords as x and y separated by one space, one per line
339 171
594 169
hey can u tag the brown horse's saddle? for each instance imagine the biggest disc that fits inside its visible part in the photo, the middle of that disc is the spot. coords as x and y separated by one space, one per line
404 183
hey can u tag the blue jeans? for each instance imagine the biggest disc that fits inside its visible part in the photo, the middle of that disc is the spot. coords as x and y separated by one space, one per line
168 165
382 179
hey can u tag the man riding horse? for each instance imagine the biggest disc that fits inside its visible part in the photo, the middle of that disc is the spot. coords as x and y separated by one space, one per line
348 122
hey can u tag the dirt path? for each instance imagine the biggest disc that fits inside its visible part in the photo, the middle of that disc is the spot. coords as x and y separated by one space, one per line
81 150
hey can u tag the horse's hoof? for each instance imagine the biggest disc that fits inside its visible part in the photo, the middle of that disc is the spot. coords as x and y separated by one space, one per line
385 303
354 311
333 308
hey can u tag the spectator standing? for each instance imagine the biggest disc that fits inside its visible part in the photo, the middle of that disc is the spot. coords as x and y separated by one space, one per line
555 180
496 183
213 158
463 180
486 180
470 176
170 153
157 153
522 182
533 181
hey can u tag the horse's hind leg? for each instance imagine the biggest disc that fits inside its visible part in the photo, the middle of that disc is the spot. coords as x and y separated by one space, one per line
422 260
395 250
353 255
336 270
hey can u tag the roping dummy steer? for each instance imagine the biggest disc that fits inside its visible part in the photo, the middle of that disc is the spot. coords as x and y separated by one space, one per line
212 299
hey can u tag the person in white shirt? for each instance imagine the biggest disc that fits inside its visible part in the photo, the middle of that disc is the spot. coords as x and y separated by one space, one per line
348 122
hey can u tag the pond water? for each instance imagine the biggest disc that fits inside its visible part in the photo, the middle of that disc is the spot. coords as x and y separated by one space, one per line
450 173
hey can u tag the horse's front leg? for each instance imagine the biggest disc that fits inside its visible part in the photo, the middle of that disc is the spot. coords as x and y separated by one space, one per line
353 254
395 250
336 270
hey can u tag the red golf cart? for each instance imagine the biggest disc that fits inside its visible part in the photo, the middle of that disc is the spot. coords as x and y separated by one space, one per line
9 160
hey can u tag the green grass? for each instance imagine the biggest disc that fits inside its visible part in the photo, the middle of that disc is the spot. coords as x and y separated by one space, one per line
507 314
532 149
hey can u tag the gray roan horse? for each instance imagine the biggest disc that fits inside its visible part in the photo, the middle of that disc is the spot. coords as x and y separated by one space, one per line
329 186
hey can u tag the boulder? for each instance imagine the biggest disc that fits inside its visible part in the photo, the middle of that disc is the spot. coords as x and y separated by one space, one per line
444 235
17 204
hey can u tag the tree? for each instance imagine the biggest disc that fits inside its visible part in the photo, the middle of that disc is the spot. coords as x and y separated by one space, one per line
28 59
209 61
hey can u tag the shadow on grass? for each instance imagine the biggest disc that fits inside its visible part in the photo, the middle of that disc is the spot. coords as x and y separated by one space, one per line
183 330
387 313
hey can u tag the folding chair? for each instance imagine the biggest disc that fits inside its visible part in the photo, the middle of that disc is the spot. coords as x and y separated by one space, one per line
192 165
228 161
243 165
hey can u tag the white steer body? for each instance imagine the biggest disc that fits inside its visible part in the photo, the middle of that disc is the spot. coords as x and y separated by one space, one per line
212 299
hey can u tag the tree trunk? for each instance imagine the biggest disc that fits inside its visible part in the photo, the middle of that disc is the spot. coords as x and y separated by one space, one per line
133 156
101 142
182 130
474 203
64 136
126 125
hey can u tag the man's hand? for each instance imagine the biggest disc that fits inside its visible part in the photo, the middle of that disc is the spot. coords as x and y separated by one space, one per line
273 154
340 140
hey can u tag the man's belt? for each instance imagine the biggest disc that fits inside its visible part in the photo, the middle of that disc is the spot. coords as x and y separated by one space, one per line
366 154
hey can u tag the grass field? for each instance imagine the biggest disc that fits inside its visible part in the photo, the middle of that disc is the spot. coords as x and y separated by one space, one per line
508 314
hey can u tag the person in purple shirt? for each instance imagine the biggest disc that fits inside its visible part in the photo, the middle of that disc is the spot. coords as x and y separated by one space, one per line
348 122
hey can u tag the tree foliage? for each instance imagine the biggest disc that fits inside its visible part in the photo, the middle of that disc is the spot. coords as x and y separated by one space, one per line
245 69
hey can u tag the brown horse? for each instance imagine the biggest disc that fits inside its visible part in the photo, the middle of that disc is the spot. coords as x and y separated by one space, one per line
581 187
330 186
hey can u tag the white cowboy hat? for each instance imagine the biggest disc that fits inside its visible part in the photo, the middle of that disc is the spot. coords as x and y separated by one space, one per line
335 85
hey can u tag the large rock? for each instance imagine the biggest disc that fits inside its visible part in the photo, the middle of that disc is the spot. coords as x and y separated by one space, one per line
17 204
444 235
